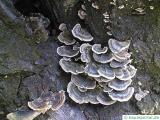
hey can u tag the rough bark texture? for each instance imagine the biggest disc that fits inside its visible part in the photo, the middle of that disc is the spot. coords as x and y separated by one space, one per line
27 68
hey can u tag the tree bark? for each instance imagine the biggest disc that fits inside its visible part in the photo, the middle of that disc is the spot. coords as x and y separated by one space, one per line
28 68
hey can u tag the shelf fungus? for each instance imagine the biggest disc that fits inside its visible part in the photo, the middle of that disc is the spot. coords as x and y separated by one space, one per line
102 74
82 14
81 33
67 51
47 100
23 115
97 48
122 96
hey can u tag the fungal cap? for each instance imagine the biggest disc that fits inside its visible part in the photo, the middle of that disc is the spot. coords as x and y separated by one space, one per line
83 7
96 48
85 50
82 89
102 79
118 46
82 14
117 64
82 97
122 56
40 105
132 70
122 96
63 27
126 75
83 82
58 100
71 67
23 115
104 99
64 37
75 94
106 72
67 51
105 87
118 72
81 33
103 58
119 85
91 70
84 47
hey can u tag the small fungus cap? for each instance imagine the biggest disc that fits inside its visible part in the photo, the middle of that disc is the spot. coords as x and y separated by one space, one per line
65 37
106 72
122 56
103 58
91 70
40 105
71 67
85 50
23 115
104 99
119 85
90 96
118 46
122 96
96 48
81 34
67 51
82 14
63 27
57 100
83 81
117 64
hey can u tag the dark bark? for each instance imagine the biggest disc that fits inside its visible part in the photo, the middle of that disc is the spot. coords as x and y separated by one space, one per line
27 68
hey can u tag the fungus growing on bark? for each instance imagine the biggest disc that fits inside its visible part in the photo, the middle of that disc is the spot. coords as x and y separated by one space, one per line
63 27
104 99
141 94
65 37
97 48
81 34
57 100
83 81
23 115
82 14
71 67
47 100
119 85
67 51
90 96
106 72
99 75
122 96
103 58
117 64
91 70
118 46
85 50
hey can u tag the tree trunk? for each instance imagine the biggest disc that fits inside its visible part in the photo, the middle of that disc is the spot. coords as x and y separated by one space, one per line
29 66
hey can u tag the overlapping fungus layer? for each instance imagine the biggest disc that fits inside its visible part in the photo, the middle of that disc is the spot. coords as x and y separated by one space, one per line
99 74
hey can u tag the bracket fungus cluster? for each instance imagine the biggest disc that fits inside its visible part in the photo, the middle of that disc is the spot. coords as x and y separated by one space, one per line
47 100
99 74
